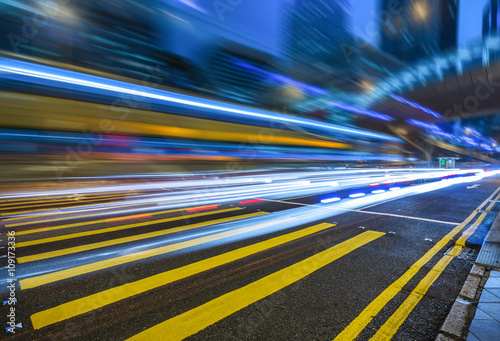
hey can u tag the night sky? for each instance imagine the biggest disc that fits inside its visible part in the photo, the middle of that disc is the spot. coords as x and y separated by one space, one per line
259 24
469 27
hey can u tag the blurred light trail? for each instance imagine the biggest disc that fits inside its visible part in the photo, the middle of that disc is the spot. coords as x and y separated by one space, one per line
201 208
417 106
361 111
325 201
421 124
289 218
65 79
237 180
191 4
250 201
283 80
185 197
243 229
140 216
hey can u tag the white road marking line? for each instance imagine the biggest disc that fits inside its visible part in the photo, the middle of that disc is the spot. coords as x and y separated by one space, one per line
406 217
361 210
292 203
379 203
302 196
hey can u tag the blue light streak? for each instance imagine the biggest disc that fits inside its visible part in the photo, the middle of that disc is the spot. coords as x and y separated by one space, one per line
361 111
326 201
65 79
417 106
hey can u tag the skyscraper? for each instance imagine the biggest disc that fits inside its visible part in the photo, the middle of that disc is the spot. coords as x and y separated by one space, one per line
316 29
448 25
415 29
491 24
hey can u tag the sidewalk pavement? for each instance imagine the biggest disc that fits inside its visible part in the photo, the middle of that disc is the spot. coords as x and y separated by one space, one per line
486 323
475 315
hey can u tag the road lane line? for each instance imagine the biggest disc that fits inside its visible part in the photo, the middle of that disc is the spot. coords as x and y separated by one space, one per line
108 263
361 210
391 326
113 295
463 238
106 243
292 203
107 220
366 316
301 196
118 228
199 318
380 203
470 231
405 216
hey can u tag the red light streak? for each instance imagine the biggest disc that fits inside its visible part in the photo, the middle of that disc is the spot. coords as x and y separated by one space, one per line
250 201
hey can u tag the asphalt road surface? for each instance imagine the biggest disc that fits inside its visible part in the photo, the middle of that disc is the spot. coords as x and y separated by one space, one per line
380 266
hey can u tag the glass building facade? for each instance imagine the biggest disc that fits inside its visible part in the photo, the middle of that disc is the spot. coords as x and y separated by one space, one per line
491 18
412 30
316 29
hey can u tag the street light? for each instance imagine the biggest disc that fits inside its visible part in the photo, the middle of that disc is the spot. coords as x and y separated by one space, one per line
420 10
52 8
367 86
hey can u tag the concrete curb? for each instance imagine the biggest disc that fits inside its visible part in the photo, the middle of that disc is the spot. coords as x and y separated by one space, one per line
456 325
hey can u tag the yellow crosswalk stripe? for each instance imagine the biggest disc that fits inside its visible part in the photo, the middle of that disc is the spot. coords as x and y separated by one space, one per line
88 268
89 222
391 326
197 319
113 295
59 212
46 220
57 208
57 227
110 229
66 197
82 201
87 247
367 315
